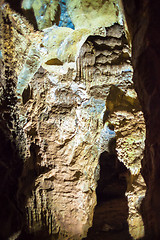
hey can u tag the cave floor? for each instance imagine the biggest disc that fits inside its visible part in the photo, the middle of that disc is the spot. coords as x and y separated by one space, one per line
110 221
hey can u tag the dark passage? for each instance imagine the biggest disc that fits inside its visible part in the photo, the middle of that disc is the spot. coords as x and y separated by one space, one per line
111 212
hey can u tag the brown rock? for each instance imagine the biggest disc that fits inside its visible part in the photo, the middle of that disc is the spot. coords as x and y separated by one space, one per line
64 123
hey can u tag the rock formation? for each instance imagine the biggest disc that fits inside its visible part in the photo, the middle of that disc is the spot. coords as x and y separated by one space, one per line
143 24
70 119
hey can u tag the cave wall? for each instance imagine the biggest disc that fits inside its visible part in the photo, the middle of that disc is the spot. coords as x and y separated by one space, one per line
65 135
12 144
69 91
71 14
143 23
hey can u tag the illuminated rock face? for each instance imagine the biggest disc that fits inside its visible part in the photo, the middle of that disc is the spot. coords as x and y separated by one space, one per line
66 107
104 13
73 13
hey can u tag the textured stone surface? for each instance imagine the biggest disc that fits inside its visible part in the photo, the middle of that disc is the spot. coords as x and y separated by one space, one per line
104 13
64 121
12 146
72 13
46 12
63 155
125 115
67 116
65 20
143 23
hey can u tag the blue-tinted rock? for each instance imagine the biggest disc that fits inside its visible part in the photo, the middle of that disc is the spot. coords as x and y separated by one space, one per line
65 20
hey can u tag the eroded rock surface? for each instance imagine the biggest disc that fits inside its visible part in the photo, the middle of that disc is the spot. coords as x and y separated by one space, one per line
66 113
72 13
